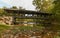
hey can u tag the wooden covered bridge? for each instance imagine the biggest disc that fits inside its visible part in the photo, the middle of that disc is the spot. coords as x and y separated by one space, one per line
26 17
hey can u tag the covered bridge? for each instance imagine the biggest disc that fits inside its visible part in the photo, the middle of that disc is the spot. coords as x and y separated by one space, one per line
27 17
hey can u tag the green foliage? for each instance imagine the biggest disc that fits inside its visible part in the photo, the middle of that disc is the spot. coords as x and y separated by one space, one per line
43 5
56 12
56 9
20 8
4 28
14 7
1 10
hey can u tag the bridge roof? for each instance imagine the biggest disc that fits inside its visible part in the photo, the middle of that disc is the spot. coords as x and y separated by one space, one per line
25 11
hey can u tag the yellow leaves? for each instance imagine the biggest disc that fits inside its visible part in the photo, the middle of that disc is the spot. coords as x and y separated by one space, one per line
1 10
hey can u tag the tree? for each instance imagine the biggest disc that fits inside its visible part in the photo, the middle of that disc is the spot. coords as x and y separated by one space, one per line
1 10
14 7
43 5
56 11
